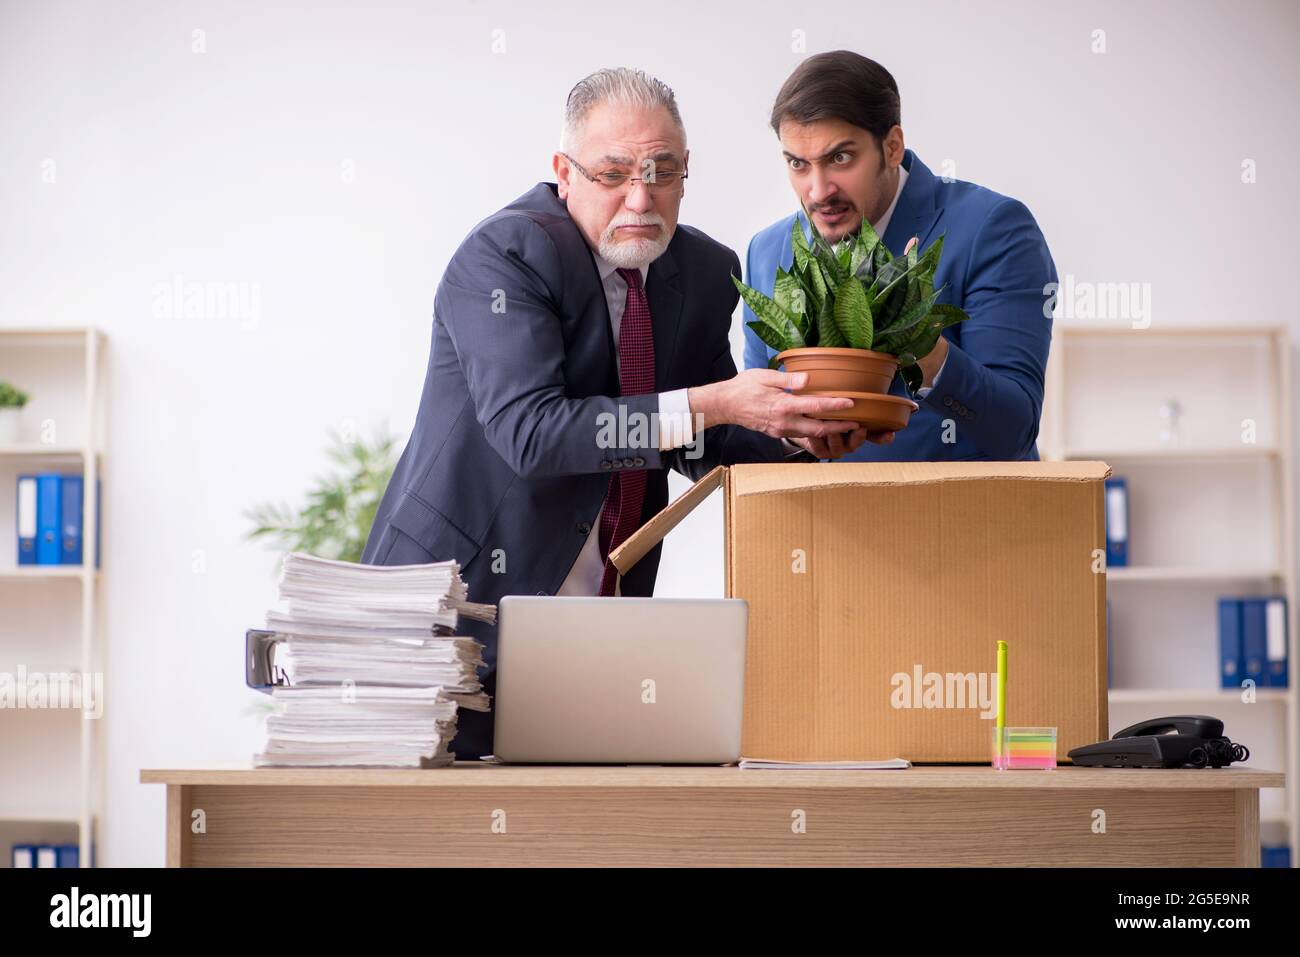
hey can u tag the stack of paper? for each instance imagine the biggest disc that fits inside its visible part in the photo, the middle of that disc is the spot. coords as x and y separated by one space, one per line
376 671
365 726
396 601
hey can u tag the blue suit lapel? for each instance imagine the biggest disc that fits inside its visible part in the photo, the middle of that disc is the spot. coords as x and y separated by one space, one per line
918 211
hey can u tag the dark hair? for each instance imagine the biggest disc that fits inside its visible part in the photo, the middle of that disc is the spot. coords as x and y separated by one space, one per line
840 85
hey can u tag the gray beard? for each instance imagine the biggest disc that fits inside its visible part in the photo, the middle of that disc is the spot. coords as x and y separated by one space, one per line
633 255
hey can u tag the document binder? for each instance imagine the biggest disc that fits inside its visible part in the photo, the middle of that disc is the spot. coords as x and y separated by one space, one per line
25 520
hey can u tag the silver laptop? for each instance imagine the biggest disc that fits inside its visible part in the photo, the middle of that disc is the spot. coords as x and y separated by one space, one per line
619 680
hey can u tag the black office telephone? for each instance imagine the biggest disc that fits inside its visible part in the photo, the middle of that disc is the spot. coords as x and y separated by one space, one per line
1181 741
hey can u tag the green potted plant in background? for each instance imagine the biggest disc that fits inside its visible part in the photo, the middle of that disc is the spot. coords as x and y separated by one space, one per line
852 317
341 508
12 401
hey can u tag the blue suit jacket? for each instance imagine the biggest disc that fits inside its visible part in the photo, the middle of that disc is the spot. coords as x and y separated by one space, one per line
505 470
995 266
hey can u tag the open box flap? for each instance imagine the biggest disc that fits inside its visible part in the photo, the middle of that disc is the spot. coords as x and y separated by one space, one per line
652 532
759 479
768 478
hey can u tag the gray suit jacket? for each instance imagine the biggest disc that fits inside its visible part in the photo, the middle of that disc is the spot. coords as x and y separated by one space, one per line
505 470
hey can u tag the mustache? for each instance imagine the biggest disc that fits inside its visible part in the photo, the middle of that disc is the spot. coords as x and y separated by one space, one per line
835 205
648 219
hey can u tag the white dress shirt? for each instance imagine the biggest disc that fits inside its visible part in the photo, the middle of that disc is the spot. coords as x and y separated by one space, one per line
675 429
880 226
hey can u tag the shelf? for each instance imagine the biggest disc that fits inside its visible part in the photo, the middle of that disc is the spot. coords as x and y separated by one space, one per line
1233 453
38 817
36 451
72 712
38 572
1144 695
1166 407
1079 331
62 367
1173 573
69 336
42 667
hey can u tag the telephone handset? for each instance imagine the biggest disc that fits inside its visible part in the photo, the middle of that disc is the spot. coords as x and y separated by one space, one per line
1188 740
1198 725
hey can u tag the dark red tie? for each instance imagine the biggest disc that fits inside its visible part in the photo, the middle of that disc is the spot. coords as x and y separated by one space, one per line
620 516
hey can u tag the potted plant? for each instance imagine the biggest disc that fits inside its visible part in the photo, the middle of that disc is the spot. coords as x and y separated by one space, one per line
852 317
341 508
11 403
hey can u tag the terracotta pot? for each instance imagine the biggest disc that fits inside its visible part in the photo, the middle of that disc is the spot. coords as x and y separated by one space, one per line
833 371
871 410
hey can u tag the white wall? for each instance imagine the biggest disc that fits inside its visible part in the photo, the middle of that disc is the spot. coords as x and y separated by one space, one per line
225 166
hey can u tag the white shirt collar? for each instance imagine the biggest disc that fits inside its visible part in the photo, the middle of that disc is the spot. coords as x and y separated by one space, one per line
607 268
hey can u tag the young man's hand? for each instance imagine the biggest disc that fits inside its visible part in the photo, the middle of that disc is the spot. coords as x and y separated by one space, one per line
835 446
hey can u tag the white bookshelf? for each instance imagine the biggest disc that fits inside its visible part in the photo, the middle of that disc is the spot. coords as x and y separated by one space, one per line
52 618
1199 421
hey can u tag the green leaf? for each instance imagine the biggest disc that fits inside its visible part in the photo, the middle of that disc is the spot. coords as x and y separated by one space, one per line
941 316
947 315
790 296
912 377
769 335
832 275
766 310
824 255
917 286
832 272
929 265
864 247
895 332
853 313
828 333
899 275
924 341
817 283
923 338
799 243
932 255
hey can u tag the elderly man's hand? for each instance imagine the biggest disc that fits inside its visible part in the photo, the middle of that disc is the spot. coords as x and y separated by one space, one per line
757 399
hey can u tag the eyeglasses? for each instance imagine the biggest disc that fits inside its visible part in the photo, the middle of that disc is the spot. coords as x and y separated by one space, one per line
657 180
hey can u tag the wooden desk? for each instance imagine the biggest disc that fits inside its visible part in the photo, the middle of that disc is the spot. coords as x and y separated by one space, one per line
495 815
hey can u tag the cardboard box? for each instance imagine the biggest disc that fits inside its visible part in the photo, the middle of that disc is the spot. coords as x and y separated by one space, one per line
877 594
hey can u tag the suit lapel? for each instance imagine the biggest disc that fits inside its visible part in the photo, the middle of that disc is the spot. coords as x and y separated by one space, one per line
665 301
917 212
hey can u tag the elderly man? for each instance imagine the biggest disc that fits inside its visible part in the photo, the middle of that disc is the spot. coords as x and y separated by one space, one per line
580 349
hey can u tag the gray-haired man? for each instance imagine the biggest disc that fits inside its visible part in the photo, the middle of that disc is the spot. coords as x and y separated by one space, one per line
580 349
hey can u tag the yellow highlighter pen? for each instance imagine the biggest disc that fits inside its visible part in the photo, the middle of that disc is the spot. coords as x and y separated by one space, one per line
1002 701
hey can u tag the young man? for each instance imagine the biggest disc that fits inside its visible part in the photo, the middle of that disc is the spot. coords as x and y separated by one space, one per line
838 121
